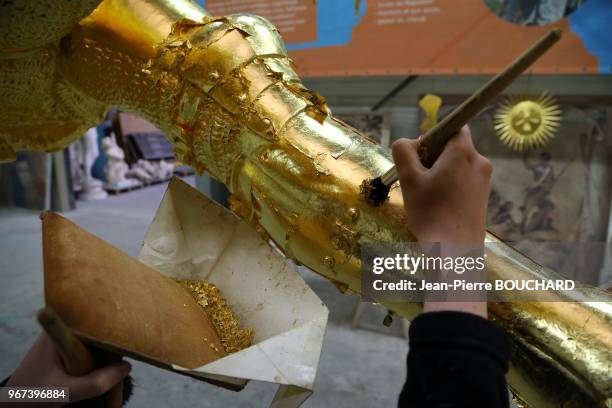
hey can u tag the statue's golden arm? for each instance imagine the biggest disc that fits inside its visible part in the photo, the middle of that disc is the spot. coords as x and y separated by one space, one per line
224 92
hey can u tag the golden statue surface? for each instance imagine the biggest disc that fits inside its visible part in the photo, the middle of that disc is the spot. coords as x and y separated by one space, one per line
224 92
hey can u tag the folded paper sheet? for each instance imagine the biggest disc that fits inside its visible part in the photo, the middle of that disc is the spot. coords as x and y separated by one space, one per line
192 237
111 299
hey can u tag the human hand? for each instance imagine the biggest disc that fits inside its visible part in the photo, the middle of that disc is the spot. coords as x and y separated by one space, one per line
448 202
43 367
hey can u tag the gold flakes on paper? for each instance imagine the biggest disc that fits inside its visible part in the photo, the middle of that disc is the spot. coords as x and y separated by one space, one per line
208 296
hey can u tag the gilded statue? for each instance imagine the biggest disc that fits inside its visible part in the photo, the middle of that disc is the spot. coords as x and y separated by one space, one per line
225 93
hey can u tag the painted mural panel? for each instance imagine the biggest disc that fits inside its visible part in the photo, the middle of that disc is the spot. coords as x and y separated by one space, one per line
428 37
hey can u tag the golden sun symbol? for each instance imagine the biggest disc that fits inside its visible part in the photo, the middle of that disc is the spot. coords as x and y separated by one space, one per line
526 123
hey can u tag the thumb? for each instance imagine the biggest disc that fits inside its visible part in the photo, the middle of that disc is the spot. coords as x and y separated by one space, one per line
407 161
115 396
99 381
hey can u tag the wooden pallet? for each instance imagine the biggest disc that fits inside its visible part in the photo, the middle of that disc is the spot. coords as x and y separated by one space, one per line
114 190
183 171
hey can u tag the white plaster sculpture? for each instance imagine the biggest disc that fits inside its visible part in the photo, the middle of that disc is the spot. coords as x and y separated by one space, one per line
76 166
116 167
92 187
139 171
148 171
165 170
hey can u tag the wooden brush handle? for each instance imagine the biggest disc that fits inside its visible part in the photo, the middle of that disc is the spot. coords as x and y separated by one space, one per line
77 359
432 143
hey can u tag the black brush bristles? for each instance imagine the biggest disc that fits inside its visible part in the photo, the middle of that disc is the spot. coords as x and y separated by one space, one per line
374 191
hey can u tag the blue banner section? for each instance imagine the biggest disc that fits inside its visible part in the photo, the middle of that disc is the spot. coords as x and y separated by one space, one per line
335 22
592 22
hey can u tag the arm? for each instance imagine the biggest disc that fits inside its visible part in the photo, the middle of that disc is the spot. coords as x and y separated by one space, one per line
456 358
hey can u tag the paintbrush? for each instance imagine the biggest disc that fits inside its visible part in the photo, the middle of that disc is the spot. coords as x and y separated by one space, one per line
431 144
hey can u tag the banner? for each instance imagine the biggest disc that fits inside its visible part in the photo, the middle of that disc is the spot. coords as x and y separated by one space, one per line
430 37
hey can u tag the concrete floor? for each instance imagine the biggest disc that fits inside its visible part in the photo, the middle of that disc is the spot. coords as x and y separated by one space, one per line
359 368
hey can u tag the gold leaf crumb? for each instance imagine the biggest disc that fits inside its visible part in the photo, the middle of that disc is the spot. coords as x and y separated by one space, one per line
208 296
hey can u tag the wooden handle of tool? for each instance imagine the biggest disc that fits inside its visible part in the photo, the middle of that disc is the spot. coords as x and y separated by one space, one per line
432 143
77 359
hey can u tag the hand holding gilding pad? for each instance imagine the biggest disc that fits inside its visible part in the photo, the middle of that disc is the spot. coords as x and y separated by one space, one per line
108 297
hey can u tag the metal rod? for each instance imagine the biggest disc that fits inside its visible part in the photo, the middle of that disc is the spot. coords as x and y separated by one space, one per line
394 92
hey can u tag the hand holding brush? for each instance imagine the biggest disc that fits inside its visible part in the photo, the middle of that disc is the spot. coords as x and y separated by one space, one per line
432 143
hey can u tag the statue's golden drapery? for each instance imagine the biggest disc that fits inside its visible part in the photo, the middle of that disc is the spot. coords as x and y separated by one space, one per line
223 90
